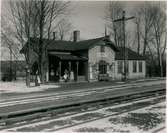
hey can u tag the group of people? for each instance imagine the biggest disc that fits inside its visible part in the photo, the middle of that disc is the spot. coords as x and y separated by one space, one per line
68 75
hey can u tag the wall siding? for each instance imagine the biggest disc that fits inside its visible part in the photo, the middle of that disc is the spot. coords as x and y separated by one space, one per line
95 56
131 74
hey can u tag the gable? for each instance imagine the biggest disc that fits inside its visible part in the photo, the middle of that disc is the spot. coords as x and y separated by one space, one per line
95 54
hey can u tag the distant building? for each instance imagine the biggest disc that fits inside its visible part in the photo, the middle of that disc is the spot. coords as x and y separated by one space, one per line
10 70
87 60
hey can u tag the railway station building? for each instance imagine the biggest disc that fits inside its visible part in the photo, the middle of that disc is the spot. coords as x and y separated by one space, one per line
87 60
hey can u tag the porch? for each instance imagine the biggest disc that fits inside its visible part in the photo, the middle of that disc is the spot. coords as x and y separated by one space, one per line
65 67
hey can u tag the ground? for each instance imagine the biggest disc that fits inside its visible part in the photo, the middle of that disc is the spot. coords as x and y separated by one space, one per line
144 120
143 116
20 87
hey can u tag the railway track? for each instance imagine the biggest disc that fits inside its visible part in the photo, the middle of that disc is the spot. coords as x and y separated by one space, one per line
23 118
26 105
125 108
72 92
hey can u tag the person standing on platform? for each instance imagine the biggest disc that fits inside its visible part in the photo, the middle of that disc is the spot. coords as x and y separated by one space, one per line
37 79
65 75
72 76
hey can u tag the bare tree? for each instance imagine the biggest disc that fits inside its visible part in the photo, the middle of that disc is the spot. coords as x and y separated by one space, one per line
146 19
8 41
64 28
152 21
36 18
114 11
159 33
137 21
24 16
57 11
48 13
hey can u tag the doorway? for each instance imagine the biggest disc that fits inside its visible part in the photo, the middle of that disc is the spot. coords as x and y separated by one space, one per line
102 67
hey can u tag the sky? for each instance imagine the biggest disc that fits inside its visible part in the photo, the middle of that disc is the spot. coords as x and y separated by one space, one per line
88 17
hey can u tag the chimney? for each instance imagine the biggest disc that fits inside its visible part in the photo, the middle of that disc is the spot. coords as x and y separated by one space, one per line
76 35
54 35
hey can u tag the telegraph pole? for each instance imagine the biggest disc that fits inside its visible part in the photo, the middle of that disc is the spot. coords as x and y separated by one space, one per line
123 19
28 55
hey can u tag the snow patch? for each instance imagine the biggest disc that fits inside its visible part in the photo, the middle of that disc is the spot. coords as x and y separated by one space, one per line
20 87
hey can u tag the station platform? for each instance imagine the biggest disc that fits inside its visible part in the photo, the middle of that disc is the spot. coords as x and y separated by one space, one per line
56 88
71 93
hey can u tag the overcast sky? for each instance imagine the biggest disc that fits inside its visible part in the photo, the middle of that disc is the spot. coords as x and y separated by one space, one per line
88 17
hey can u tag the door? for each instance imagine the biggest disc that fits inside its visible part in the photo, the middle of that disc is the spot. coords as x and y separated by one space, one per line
102 67
103 71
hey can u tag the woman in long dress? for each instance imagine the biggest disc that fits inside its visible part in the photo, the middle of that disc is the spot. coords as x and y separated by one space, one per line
65 75
71 75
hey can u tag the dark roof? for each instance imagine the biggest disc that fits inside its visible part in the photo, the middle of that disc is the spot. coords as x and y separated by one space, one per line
80 45
60 45
132 55
68 57
86 44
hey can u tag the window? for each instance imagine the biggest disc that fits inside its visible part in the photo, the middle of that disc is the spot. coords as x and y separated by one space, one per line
140 66
102 49
102 67
120 66
134 66
127 67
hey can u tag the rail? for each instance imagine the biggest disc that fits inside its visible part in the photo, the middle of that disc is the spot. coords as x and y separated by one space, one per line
14 117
